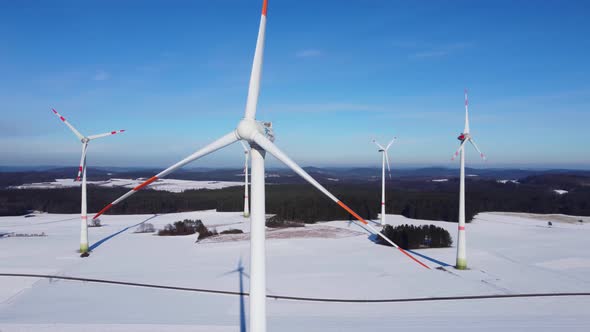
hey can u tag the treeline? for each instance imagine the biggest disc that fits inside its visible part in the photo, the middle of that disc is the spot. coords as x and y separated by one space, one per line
415 237
302 203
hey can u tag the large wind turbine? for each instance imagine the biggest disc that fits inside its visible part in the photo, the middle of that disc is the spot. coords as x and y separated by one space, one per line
384 159
464 138
260 137
82 171
246 201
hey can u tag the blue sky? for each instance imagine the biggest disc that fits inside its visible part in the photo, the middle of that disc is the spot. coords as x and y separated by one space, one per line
174 74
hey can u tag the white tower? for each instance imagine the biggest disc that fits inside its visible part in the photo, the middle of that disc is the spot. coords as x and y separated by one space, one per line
463 138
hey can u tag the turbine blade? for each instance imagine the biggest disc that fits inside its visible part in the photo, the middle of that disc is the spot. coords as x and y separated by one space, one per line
216 145
267 145
378 145
76 132
387 159
106 134
390 142
246 150
255 75
476 148
466 130
459 150
82 161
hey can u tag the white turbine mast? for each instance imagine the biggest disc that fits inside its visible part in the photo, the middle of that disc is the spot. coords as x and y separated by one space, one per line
82 172
260 137
465 136
384 160
246 199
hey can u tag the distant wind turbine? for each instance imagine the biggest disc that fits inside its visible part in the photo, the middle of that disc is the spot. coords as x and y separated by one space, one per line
82 171
260 136
384 159
246 200
464 138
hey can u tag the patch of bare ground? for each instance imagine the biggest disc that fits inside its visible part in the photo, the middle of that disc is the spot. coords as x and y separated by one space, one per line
548 217
310 231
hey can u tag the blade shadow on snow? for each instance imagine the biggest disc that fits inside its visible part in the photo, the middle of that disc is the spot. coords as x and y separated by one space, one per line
103 240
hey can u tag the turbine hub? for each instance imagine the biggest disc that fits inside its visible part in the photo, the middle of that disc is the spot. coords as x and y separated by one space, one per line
85 140
247 128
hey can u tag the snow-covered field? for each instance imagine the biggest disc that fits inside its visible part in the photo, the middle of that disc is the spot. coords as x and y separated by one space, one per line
171 185
508 254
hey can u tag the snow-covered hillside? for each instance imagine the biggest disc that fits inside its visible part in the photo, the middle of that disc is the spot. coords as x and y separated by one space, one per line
171 185
508 254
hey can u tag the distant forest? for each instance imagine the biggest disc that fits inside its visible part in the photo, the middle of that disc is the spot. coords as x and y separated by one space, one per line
301 202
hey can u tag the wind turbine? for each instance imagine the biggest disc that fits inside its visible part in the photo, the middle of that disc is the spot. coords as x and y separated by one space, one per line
246 201
260 136
464 138
82 172
384 159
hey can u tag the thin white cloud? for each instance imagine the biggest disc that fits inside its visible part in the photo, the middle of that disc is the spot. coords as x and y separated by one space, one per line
425 50
101 76
430 54
308 53
328 107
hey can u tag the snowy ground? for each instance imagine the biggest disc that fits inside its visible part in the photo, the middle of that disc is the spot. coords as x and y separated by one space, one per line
508 254
171 185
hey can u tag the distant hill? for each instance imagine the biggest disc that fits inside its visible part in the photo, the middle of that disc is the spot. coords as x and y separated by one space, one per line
11 177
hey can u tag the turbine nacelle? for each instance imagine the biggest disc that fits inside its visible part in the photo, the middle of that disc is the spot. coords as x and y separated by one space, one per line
464 137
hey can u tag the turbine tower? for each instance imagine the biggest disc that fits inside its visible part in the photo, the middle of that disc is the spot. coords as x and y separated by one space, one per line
260 136
463 138
82 172
246 201
384 159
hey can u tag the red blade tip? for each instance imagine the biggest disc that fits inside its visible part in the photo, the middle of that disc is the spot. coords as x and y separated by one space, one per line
264 7
104 209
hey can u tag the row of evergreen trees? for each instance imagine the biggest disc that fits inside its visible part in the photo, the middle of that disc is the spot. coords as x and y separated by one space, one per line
302 203
415 237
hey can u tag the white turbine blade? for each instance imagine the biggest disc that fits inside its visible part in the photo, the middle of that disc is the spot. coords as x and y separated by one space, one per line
106 134
378 145
390 142
387 159
254 88
267 145
246 150
82 161
76 132
466 130
216 145
478 150
459 150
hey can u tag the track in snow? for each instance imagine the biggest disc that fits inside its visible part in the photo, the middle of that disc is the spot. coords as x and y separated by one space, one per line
295 298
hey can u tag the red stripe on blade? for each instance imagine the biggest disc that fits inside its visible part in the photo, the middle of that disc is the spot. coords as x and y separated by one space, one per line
461 228
104 209
413 258
152 179
264 7
352 212
62 118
